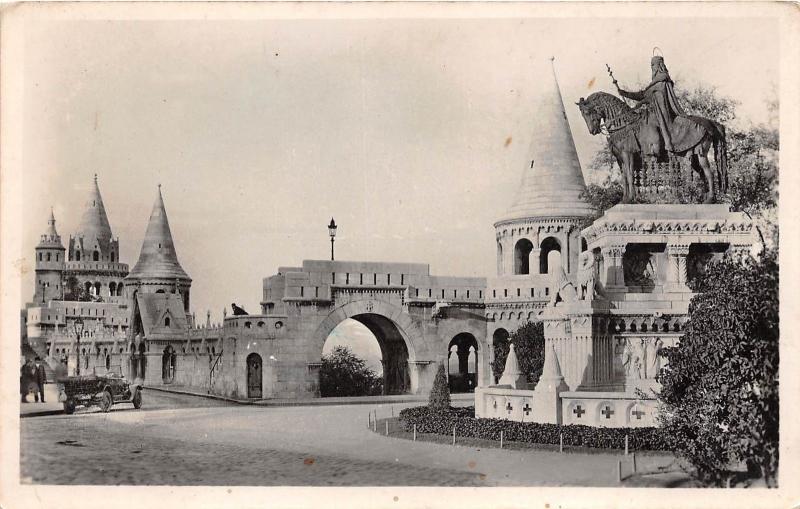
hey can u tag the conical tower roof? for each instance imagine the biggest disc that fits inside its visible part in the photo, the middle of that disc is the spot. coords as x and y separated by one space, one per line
94 222
158 259
552 179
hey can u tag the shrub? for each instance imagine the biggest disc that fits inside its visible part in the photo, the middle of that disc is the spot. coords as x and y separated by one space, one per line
440 392
528 342
720 386
442 422
344 374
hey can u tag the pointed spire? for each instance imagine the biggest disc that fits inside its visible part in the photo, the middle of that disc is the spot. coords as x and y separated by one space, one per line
158 258
552 179
51 238
512 375
94 222
551 380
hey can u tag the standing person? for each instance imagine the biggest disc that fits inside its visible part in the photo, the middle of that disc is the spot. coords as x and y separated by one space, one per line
41 377
28 378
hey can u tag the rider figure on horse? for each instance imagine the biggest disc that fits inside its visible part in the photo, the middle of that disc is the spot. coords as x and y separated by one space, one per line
678 131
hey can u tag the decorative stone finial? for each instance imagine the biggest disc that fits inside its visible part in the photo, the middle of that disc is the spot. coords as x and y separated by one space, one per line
512 375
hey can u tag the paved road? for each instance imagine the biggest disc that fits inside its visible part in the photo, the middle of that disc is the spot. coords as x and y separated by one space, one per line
195 441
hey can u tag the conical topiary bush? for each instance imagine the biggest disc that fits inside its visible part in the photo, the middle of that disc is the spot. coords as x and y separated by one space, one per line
440 393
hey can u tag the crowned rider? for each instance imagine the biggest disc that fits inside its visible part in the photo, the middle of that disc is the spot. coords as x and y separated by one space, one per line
662 102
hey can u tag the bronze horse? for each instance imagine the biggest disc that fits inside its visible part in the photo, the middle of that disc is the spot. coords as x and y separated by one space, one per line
634 136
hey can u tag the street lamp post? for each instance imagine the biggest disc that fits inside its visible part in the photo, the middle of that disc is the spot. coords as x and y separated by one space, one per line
332 233
77 325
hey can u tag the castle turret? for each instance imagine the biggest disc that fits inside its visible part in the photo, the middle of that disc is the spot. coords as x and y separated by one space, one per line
49 264
545 215
158 269
94 241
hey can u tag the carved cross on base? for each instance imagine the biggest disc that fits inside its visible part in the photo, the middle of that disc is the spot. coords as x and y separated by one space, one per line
607 411
638 414
509 408
578 410
527 409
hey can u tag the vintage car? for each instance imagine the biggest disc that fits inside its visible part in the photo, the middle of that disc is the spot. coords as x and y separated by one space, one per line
101 389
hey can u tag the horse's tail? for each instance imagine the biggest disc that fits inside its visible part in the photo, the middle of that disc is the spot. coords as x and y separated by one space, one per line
721 156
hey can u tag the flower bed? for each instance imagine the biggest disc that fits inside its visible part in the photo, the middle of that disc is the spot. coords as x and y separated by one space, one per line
442 422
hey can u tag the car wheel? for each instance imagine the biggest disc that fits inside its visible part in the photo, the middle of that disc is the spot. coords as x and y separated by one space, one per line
69 407
106 401
137 399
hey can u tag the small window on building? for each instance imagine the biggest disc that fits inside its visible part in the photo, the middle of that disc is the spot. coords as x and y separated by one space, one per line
48 257
468 294
347 278
547 291
96 256
388 279
443 293
455 294
505 292
430 292
77 256
166 322
302 291
402 279
532 292
494 293
480 294
374 279
40 257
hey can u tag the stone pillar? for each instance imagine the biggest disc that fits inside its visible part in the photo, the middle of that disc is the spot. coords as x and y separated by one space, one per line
533 260
463 359
614 277
508 255
676 271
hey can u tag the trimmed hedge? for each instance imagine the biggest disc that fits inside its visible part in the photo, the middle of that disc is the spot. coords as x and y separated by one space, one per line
442 422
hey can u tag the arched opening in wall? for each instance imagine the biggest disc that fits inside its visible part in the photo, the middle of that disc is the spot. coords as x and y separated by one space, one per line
584 245
382 365
463 363
168 362
142 358
499 259
119 289
549 256
89 288
97 288
499 345
254 376
77 256
522 252
112 288
96 256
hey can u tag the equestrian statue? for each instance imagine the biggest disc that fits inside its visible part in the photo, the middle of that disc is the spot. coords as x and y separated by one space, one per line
657 128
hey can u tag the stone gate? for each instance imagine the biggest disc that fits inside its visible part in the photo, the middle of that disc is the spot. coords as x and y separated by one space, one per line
414 316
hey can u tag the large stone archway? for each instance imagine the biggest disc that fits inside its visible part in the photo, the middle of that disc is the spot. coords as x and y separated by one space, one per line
394 331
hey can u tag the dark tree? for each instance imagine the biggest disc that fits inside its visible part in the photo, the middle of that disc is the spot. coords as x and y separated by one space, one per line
528 342
344 374
440 392
720 386
73 290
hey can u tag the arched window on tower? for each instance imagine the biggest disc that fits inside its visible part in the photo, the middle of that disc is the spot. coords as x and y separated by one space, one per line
112 288
113 256
77 256
166 321
119 290
96 256
500 268
522 252
48 257
548 263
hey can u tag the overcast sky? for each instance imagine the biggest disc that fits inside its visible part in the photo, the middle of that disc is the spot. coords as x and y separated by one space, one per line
260 131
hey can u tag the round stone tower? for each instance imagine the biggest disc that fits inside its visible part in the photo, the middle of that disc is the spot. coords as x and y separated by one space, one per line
158 269
49 265
541 229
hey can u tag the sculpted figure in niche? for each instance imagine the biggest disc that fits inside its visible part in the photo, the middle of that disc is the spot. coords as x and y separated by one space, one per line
653 358
627 358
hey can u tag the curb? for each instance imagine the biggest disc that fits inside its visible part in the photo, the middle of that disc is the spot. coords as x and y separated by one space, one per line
300 402
41 414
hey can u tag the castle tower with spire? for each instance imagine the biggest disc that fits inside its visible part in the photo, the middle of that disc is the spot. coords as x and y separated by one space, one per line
158 269
93 268
82 284
539 234
49 264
